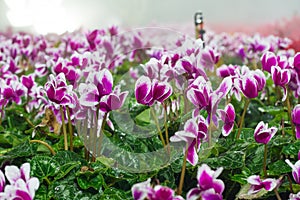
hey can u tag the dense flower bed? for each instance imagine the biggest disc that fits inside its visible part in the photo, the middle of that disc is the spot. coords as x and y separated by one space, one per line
107 114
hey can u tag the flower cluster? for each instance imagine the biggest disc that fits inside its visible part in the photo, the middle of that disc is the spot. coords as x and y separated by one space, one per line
209 187
143 190
21 185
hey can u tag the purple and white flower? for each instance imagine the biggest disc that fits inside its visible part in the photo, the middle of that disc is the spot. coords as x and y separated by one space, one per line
209 187
263 134
98 85
296 119
192 137
257 184
59 92
143 190
295 170
147 91
227 116
281 77
209 57
113 101
22 186
294 196
268 60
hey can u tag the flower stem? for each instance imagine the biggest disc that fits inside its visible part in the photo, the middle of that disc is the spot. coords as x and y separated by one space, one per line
70 128
166 124
179 191
210 131
157 126
64 128
277 194
242 118
288 105
101 133
45 144
265 161
1 113
290 183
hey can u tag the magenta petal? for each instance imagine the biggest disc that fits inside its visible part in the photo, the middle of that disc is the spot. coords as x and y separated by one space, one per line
8 93
230 112
269 184
2 181
205 180
192 156
249 87
194 193
25 171
20 194
162 192
263 137
142 89
227 128
211 195
268 60
105 82
296 115
191 126
218 186
297 132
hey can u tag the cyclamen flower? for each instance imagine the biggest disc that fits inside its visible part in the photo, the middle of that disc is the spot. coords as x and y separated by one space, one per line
98 85
143 190
281 77
295 170
113 101
147 91
294 196
22 186
202 96
192 136
296 62
209 57
252 83
28 81
296 119
209 187
263 134
268 60
12 90
226 70
59 92
257 184
228 116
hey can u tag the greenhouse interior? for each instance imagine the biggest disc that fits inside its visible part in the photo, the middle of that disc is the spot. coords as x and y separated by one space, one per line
149 100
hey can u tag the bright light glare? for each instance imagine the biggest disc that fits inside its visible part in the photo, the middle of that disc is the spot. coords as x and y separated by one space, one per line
45 16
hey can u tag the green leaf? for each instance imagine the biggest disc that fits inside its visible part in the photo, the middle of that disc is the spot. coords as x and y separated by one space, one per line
279 140
279 167
292 149
254 158
64 157
229 160
90 179
42 192
44 166
113 193
240 178
247 134
24 149
66 168
273 110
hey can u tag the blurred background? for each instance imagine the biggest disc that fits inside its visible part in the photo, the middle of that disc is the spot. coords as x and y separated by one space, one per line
58 16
